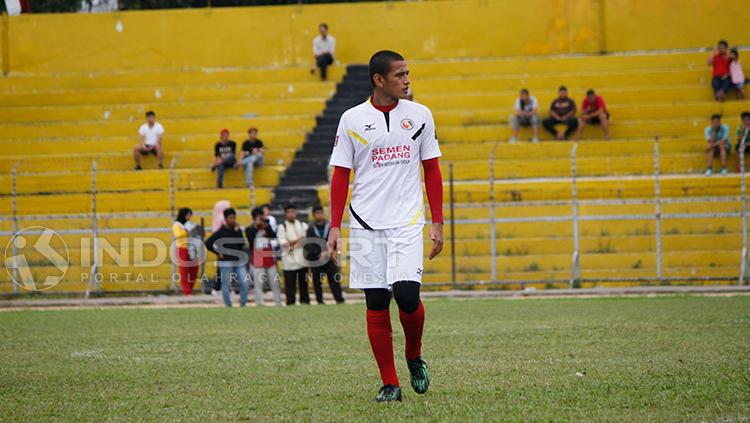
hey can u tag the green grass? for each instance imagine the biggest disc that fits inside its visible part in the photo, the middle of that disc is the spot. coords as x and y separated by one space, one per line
674 358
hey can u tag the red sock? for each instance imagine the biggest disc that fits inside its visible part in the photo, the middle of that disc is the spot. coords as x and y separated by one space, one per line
413 324
381 340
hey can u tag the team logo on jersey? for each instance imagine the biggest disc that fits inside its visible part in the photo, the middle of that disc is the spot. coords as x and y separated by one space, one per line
370 127
407 124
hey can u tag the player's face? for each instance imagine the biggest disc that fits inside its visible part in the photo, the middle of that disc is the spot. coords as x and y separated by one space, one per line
396 83
291 215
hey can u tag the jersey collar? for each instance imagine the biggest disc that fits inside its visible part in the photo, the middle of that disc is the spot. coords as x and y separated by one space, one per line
384 109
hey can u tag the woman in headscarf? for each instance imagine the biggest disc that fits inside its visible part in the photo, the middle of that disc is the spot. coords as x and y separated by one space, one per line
187 264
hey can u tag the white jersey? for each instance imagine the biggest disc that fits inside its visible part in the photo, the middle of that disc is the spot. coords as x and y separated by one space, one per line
385 150
151 135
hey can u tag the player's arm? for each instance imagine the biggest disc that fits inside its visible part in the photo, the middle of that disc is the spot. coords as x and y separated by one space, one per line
429 152
342 160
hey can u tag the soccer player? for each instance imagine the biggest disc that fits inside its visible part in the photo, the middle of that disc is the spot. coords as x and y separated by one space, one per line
384 141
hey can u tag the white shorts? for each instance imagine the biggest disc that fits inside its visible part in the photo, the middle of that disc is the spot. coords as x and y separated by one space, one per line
379 258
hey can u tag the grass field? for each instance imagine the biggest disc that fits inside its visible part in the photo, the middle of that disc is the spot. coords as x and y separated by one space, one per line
672 358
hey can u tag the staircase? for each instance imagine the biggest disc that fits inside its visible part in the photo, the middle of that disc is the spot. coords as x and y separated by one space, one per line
309 167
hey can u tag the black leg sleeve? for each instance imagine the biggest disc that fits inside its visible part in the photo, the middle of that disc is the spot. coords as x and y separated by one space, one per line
406 294
377 298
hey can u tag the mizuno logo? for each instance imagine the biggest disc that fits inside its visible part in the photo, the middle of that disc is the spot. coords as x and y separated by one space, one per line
370 127
419 270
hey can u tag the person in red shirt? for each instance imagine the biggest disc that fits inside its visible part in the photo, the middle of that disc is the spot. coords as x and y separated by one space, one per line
720 81
593 111
263 261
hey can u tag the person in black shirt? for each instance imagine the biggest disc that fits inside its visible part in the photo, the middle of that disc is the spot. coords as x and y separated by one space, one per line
562 110
316 254
252 155
224 157
229 245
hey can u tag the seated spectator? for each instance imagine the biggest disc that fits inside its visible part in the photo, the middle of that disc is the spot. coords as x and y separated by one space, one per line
252 155
562 110
593 111
291 236
316 253
262 259
229 246
525 113
717 137
224 157
150 135
736 74
324 47
720 80
743 137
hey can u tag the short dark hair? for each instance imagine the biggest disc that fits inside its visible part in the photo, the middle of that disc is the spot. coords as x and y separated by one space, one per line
289 206
715 116
723 43
735 51
252 128
182 215
562 88
229 212
258 211
150 113
525 91
317 208
745 115
590 92
324 25
380 63
263 206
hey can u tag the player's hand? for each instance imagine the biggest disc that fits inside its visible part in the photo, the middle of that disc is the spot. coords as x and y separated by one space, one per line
436 235
334 244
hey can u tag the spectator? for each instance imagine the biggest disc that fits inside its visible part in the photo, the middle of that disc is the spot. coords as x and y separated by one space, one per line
229 246
217 221
268 216
720 80
224 157
743 136
183 229
736 73
562 110
593 111
150 135
262 261
291 237
526 113
316 252
324 47
717 136
252 155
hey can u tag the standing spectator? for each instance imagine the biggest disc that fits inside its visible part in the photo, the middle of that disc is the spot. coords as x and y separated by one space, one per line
224 157
252 155
150 135
717 136
743 137
187 255
229 246
324 47
315 253
291 237
268 216
736 73
217 221
720 80
526 113
262 261
593 111
562 110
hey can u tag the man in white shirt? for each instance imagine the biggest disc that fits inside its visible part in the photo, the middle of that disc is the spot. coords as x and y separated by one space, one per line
525 113
386 141
291 235
149 140
324 47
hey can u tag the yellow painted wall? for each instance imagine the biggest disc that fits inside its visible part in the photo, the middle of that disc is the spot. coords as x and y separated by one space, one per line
281 35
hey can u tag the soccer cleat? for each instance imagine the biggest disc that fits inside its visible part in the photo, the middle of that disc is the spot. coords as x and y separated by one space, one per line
389 393
420 379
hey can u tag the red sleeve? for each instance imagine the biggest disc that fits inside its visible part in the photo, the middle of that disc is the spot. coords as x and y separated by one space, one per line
339 192
433 181
601 103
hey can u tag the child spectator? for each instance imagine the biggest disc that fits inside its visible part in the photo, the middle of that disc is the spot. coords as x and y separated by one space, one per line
717 137
150 135
593 111
324 47
743 137
291 237
720 81
736 74
562 110
316 253
229 246
526 113
224 157
252 155
262 259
